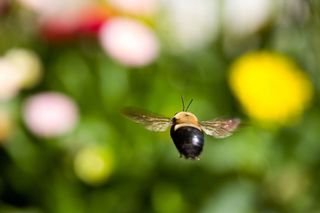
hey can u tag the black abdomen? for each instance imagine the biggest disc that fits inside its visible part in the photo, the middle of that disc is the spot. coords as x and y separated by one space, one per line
188 140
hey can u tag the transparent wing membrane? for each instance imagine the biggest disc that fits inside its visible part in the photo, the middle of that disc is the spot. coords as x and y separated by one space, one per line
149 120
220 128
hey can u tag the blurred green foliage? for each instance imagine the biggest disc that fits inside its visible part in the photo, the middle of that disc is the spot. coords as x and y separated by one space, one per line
256 170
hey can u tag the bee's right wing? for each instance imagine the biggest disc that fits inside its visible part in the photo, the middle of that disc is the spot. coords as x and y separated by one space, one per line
220 128
149 120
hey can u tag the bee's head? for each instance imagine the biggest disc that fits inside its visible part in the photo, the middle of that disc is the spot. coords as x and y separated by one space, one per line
184 117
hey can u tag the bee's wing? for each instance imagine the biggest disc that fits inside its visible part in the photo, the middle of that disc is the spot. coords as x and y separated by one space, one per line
149 120
220 128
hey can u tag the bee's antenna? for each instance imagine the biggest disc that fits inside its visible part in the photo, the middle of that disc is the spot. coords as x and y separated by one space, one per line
182 103
189 105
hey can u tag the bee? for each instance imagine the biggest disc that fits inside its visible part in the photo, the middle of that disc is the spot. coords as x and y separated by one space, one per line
186 131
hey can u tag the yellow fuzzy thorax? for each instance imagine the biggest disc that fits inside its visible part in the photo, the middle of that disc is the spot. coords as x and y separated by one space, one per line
186 118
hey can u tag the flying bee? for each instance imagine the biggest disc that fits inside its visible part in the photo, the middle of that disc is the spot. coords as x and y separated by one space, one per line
186 131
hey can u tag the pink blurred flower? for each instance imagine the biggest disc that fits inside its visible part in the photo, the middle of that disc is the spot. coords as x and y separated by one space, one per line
129 42
50 114
137 7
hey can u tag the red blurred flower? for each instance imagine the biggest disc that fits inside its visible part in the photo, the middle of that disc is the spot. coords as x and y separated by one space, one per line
85 22
92 19
4 6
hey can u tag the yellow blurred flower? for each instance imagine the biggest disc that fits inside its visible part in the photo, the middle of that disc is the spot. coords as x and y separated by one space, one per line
94 165
270 87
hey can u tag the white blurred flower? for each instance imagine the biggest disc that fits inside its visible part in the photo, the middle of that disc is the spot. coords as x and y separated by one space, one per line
191 24
18 68
138 7
129 42
28 66
93 165
244 17
50 114
10 80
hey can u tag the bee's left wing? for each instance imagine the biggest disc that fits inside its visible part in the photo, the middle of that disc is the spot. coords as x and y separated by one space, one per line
220 128
149 120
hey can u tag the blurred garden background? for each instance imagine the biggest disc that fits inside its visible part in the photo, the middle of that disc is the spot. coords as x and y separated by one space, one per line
68 67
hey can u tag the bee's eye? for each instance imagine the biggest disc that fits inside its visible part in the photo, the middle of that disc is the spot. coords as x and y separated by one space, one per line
174 119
